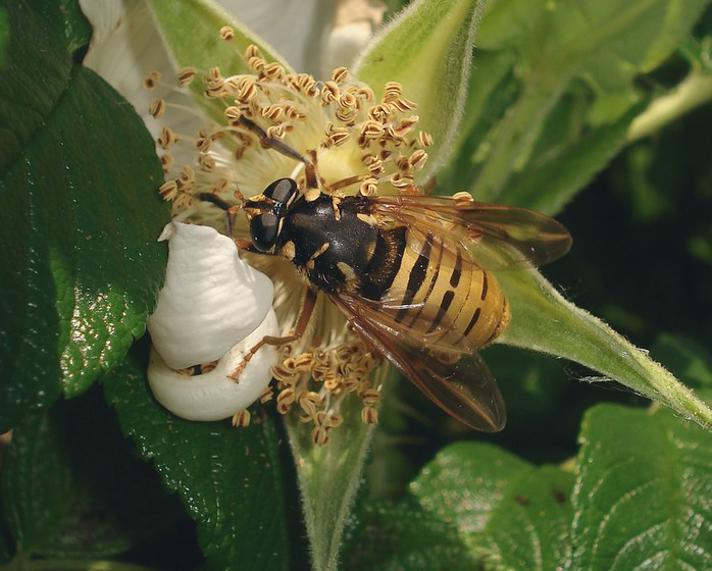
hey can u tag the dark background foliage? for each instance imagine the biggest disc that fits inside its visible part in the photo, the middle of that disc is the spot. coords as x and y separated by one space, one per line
74 489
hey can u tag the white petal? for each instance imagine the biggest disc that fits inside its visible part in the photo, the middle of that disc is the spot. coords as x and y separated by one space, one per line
213 396
210 300
354 24
125 47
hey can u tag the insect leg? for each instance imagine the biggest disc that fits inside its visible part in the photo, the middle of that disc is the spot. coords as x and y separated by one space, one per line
301 326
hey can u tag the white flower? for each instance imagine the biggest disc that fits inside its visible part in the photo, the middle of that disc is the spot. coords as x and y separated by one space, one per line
213 306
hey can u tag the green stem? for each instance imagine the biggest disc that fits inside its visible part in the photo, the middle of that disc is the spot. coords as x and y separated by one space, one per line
693 91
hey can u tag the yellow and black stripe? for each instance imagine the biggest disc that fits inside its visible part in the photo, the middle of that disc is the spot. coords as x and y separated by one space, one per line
435 290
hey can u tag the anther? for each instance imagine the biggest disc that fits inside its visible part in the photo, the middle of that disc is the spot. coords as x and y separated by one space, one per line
337 136
463 198
206 162
267 395
241 419
369 415
273 70
185 76
425 139
252 51
167 138
368 187
330 92
166 162
340 74
157 108
168 190
152 80
417 159
227 33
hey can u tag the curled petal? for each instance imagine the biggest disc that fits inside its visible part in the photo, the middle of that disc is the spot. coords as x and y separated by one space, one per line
210 300
213 395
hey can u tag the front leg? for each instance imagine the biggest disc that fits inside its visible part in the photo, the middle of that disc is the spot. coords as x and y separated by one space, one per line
302 322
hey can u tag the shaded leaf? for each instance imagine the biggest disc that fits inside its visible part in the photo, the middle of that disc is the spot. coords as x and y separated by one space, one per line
431 39
4 35
62 490
77 29
473 505
229 480
529 528
642 492
36 482
31 51
542 320
602 42
404 536
548 184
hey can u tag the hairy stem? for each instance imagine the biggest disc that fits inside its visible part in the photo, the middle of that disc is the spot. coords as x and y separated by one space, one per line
693 91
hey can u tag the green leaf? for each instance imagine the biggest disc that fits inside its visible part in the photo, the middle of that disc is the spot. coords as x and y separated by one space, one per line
31 52
548 184
431 39
542 320
329 477
4 35
601 41
464 484
82 265
60 487
82 245
405 536
229 480
642 492
474 503
36 482
529 528
201 21
77 29
440 524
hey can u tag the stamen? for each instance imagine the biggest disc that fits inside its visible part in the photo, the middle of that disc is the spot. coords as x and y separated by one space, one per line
227 33
241 419
331 137
340 74
157 108
185 76
151 80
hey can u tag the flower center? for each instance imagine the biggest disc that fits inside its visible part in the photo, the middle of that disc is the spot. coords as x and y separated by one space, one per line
265 125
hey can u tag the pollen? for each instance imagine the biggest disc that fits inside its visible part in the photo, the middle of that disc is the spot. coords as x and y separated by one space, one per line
356 141
227 33
318 381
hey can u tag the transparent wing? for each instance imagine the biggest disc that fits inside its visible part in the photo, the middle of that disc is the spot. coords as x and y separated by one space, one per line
460 384
496 236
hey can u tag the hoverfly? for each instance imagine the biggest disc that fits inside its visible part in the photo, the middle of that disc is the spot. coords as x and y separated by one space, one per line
412 275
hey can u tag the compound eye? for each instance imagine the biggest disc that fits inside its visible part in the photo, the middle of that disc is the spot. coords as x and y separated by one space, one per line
281 190
263 231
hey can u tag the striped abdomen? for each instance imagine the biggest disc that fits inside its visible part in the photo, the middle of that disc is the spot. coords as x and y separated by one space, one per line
440 295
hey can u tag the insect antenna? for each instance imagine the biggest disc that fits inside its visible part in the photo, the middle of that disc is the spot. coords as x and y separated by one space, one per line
230 210
271 143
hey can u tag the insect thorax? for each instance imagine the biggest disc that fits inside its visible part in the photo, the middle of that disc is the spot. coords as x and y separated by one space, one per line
332 245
